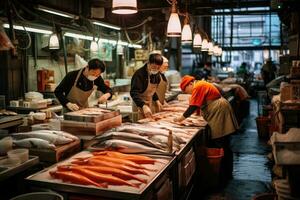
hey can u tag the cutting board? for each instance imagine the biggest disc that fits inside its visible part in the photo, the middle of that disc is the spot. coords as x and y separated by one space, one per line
90 128
91 115
57 154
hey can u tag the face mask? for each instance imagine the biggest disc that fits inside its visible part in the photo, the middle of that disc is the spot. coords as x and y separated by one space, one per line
153 72
92 78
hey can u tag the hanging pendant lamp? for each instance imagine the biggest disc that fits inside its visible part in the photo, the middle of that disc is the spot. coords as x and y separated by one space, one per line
174 26
210 48
124 7
197 42
204 45
94 46
53 42
186 34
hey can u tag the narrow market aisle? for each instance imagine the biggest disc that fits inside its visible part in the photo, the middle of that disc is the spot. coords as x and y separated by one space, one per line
251 172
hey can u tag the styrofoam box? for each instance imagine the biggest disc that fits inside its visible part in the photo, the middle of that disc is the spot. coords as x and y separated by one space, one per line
286 153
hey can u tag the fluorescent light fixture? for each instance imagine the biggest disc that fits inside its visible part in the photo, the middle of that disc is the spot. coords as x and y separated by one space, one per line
78 36
29 29
136 46
56 12
113 42
107 25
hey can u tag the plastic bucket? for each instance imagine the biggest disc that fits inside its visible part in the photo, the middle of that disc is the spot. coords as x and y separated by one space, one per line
214 156
262 124
265 196
39 196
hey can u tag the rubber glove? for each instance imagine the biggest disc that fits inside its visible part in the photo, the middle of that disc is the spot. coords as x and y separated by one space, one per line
147 111
104 98
159 106
179 119
72 106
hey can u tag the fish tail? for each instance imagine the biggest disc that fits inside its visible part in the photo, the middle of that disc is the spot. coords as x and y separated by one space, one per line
79 162
64 167
137 185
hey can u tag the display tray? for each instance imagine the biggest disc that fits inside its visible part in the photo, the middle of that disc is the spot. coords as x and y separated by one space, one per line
91 115
44 180
6 172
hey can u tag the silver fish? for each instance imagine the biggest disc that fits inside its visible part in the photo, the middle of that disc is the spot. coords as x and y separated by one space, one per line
45 135
146 130
64 134
34 143
128 137
130 147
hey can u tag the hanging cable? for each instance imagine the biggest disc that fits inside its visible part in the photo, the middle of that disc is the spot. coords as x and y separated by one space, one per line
141 24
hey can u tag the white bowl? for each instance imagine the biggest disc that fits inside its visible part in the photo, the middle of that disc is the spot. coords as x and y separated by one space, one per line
21 154
39 116
5 145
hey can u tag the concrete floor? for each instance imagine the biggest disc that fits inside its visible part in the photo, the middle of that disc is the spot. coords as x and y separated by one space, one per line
251 172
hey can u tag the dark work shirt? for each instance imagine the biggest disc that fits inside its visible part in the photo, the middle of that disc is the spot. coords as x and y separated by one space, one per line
190 111
64 87
139 84
164 78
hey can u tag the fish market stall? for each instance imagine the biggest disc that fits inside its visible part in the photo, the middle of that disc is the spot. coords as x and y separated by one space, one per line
142 180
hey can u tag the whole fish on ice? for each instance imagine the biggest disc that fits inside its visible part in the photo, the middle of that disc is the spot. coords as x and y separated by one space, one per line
128 137
45 135
34 143
128 147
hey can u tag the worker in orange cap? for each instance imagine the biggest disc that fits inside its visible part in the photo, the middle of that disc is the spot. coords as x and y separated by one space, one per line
216 111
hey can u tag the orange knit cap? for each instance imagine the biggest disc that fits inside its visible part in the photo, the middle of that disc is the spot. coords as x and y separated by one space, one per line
185 81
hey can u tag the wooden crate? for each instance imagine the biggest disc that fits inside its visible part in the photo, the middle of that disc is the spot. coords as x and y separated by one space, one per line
90 128
58 154
84 116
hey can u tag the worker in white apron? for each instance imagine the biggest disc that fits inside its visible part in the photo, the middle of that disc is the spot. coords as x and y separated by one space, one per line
76 87
144 84
163 84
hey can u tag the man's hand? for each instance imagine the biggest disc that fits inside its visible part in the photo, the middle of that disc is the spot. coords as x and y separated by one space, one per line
147 111
179 119
159 106
72 106
104 98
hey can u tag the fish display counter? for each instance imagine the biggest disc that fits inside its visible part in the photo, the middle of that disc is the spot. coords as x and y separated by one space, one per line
108 174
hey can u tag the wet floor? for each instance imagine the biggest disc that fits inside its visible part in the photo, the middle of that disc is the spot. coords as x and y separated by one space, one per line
251 169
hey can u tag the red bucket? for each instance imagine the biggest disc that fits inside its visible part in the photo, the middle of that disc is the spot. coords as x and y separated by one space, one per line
214 156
